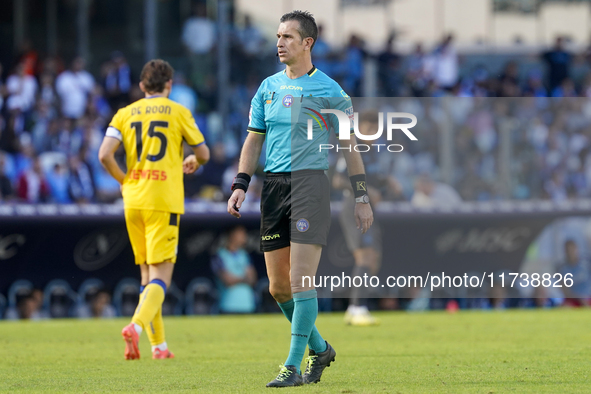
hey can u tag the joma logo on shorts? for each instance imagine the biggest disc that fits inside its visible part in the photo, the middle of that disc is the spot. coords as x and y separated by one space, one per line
270 237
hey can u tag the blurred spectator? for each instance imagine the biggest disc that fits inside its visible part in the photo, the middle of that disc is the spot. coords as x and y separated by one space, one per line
21 90
322 53
445 63
509 81
29 307
559 62
214 170
565 89
46 133
73 87
99 306
390 77
57 180
556 188
6 191
199 36
48 95
53 66
117 81
23 160
417 73
29 57
41 119
250 40
579 294
534 86
9 141
3 93
80 182
235 274
429 193
199 25
182 93
350 70
98 107
32 185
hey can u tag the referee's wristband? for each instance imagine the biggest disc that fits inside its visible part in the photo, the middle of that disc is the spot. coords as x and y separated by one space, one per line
241 181
358 185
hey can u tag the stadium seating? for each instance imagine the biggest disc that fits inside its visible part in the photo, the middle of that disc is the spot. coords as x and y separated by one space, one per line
19 289
201 297
86 291
265 302
174 301
59 299
126 295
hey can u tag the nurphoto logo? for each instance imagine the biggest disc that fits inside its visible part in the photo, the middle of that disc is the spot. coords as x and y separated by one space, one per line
346 122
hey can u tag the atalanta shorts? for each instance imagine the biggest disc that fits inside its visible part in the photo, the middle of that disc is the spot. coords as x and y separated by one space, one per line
154 235
295 207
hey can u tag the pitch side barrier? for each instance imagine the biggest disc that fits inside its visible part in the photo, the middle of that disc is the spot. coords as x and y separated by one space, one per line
467 241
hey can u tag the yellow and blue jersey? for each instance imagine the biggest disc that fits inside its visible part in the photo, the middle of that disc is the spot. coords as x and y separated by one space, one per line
280 109
152 131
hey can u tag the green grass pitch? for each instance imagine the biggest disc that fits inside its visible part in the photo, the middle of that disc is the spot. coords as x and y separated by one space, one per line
537 351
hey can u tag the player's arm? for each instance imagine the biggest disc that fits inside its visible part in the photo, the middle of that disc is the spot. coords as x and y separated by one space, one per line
249 160
107 158
363 211
199 157
193 137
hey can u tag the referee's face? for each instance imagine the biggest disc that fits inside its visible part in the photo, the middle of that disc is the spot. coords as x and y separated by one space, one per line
290 45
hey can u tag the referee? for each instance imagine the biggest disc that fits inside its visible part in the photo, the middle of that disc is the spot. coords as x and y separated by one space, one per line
295 202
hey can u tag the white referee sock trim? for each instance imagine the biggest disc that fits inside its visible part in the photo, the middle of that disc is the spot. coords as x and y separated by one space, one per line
138 329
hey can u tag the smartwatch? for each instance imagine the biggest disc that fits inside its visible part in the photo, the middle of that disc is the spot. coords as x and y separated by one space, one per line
363 199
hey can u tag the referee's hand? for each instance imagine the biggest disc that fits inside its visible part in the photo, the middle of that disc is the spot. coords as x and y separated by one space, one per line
235 202
363 217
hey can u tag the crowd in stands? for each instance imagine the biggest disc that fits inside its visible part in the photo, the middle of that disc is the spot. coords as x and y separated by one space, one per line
53 116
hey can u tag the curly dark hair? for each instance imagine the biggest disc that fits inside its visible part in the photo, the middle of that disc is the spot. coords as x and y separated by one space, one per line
155 74
307 26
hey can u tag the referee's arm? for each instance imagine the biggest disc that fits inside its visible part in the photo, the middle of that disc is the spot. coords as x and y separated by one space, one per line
249 159
363 212
251 152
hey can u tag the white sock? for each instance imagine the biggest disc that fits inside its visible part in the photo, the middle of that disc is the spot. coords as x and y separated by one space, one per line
162 347
352 309
138 329
362 310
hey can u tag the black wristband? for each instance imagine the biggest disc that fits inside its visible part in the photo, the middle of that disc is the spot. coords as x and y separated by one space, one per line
241 181
358 185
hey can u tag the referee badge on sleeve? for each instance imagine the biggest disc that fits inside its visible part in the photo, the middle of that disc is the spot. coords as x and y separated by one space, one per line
302 225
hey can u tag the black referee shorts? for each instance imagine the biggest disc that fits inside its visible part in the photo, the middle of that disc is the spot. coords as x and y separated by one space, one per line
295 207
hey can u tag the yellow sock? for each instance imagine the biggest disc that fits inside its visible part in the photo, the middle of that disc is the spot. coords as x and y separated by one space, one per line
155 330
150 302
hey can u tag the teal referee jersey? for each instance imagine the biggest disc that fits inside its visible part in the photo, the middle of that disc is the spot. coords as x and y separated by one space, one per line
280 110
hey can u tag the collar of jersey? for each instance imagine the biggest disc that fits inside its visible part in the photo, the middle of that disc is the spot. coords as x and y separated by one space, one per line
309 73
